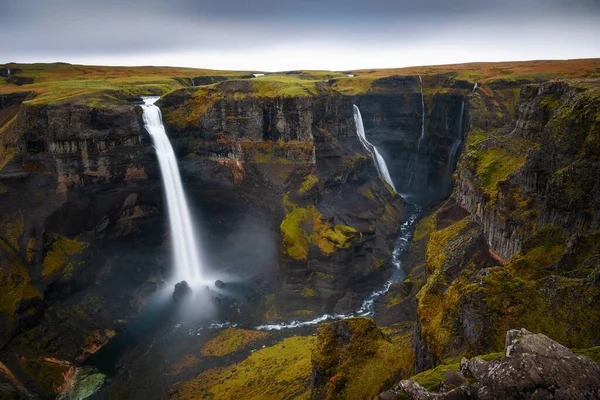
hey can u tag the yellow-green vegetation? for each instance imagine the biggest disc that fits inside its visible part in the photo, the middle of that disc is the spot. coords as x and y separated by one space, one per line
305 226
99 86
366 191
516 294
494 166
592 352
282 371
280 152
46 375
196 104
16 284
59 257
439 296
11 229
230 341
492 71
437 250
271 307
308 292
283 86
424 227
354 86
431 378
356 360
310 182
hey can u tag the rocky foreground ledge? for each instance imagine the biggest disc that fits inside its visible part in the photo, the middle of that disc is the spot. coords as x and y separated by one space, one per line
533 367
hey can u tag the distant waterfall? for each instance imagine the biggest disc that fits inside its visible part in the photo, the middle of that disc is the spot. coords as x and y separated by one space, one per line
192 80
188 265
382 168
457 141
422 114
8 72
416 159
475 86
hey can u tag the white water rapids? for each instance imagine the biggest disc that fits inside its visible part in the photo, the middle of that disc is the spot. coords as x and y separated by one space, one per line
380 164
367 309
187 259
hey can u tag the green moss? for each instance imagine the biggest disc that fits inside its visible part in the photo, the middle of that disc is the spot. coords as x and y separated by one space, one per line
308 292
283 86
305 226
494 166
89 381
59 257
366 191
280 371
16 285
356 360
592 352
271 307
425 227
230 341
47 376
436 254
431 379
310 182
280 152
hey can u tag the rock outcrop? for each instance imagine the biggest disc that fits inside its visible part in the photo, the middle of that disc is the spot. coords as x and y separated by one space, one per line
517 241
534 367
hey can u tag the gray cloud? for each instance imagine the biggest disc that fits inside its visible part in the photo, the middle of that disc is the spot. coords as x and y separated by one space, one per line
80 29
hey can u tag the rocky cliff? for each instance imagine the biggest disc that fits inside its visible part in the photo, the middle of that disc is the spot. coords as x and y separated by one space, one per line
516 244
290 204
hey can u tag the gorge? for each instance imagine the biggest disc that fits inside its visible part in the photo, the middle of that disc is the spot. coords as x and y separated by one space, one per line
294 180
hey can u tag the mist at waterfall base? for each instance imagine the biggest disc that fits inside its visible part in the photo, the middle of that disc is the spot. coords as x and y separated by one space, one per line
190 261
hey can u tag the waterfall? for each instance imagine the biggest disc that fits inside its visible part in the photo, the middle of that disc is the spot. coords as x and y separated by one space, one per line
183 239
192 80
457 141
416 159
475 86
8 72
380 164
422 114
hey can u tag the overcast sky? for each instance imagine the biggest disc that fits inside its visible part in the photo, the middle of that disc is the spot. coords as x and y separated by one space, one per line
296 34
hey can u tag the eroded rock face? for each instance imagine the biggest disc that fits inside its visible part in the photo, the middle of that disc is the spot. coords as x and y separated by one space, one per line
534 367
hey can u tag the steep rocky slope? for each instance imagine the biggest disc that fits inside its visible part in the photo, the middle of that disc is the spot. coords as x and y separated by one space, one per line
516 245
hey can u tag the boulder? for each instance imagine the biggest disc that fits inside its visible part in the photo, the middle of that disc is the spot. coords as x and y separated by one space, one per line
534 367
219 284
182 290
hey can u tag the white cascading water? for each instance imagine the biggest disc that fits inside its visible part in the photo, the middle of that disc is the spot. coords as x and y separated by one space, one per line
8 72
475 86
416 161
422 114
380 164
457 141
188 265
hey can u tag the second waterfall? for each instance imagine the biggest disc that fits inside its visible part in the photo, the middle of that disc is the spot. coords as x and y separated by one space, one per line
188 261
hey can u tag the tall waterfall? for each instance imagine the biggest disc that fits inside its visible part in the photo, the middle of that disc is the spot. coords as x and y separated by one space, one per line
416 159
187 259
457 141
422 114
382 168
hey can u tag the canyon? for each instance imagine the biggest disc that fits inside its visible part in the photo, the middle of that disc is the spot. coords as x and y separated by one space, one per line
497 164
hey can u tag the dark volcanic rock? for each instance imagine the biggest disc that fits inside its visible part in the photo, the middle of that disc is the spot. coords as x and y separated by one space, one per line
219 284
534 367
182 290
